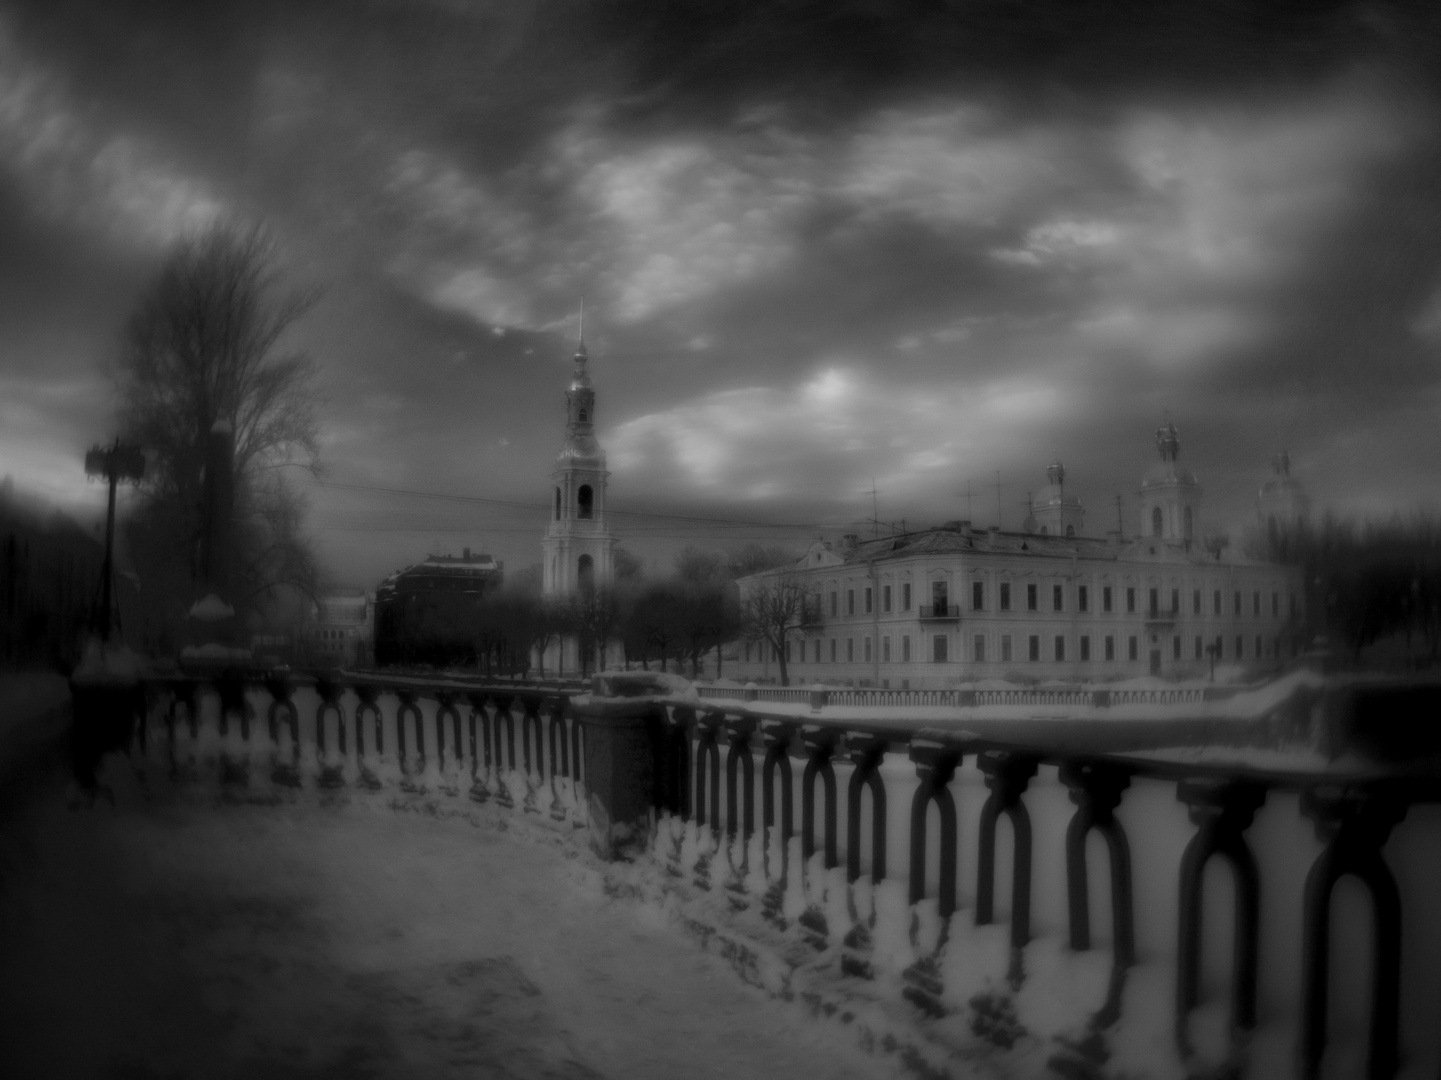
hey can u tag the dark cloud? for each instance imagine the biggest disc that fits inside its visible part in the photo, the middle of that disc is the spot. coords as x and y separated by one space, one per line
820 242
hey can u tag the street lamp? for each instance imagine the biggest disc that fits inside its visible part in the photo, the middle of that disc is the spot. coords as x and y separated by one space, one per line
112 463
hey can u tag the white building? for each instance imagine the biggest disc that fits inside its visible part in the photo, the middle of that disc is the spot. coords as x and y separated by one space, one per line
340 632
944 606
578 549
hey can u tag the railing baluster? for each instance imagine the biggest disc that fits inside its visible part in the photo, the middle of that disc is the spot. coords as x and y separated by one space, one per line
738 732
478 768
559 755
367 703
1096 789
234 764
503 717
1222 810
777 736
1354 824
285 773
530 732
448 768
820 745
1007 775
329 692
935 766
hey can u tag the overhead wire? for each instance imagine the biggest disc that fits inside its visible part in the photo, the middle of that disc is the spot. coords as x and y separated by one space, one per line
539 508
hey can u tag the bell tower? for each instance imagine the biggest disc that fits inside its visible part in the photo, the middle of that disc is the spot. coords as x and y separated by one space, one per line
578 549
1053 511
1170 495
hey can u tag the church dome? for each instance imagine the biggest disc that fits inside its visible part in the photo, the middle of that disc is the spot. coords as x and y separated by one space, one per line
581 448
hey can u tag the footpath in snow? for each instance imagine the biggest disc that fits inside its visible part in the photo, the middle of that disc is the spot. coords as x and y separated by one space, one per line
216 939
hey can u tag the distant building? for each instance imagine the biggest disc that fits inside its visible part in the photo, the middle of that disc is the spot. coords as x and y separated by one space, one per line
49 584
942 606
425 614
578 549
341 631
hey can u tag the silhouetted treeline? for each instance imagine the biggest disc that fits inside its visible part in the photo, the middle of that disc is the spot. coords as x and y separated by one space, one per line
1367 580
675 620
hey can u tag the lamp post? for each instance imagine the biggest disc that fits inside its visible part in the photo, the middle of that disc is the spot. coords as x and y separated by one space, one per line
112 463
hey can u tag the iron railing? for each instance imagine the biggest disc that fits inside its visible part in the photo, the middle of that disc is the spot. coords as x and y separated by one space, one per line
887 773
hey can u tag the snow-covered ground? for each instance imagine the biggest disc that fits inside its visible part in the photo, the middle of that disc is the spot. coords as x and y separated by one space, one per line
224 939
301 903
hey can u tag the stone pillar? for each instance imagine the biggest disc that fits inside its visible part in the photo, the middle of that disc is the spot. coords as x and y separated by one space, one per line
621 739
623 726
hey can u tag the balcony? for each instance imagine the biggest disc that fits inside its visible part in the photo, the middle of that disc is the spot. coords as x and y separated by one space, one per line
940 613
1158 618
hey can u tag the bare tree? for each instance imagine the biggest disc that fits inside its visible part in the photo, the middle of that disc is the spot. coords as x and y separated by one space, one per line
776 607
205 343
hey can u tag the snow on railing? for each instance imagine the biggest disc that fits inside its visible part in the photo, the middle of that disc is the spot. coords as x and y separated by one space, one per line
961 697
872 850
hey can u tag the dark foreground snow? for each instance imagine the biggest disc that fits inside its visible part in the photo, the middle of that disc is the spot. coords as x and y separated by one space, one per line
290 941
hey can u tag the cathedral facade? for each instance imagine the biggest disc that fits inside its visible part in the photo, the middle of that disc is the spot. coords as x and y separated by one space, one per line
944 606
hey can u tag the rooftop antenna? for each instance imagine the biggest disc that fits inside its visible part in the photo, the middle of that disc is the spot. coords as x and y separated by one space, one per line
1120 516
968 500
998 498
875 510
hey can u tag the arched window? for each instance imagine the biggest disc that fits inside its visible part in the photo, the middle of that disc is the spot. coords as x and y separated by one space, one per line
585 572
1070 530
557 504
1156 522
584 415
1186 520
1044 530
585 500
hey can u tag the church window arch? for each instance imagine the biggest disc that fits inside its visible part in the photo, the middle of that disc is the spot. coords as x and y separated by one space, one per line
1070 530
584 415
585 501
557 503
585 574
1156 522
1044 530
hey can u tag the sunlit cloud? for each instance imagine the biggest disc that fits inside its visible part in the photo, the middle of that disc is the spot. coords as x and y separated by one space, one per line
815 439
948 167
41 444
685 218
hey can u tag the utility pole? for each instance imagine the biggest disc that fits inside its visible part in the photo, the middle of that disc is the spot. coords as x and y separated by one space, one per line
1120 517
111 463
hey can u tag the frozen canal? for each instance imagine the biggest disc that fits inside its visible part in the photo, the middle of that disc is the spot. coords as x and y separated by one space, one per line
356 941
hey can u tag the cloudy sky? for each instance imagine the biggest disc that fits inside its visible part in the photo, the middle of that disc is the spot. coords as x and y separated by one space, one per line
824 246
